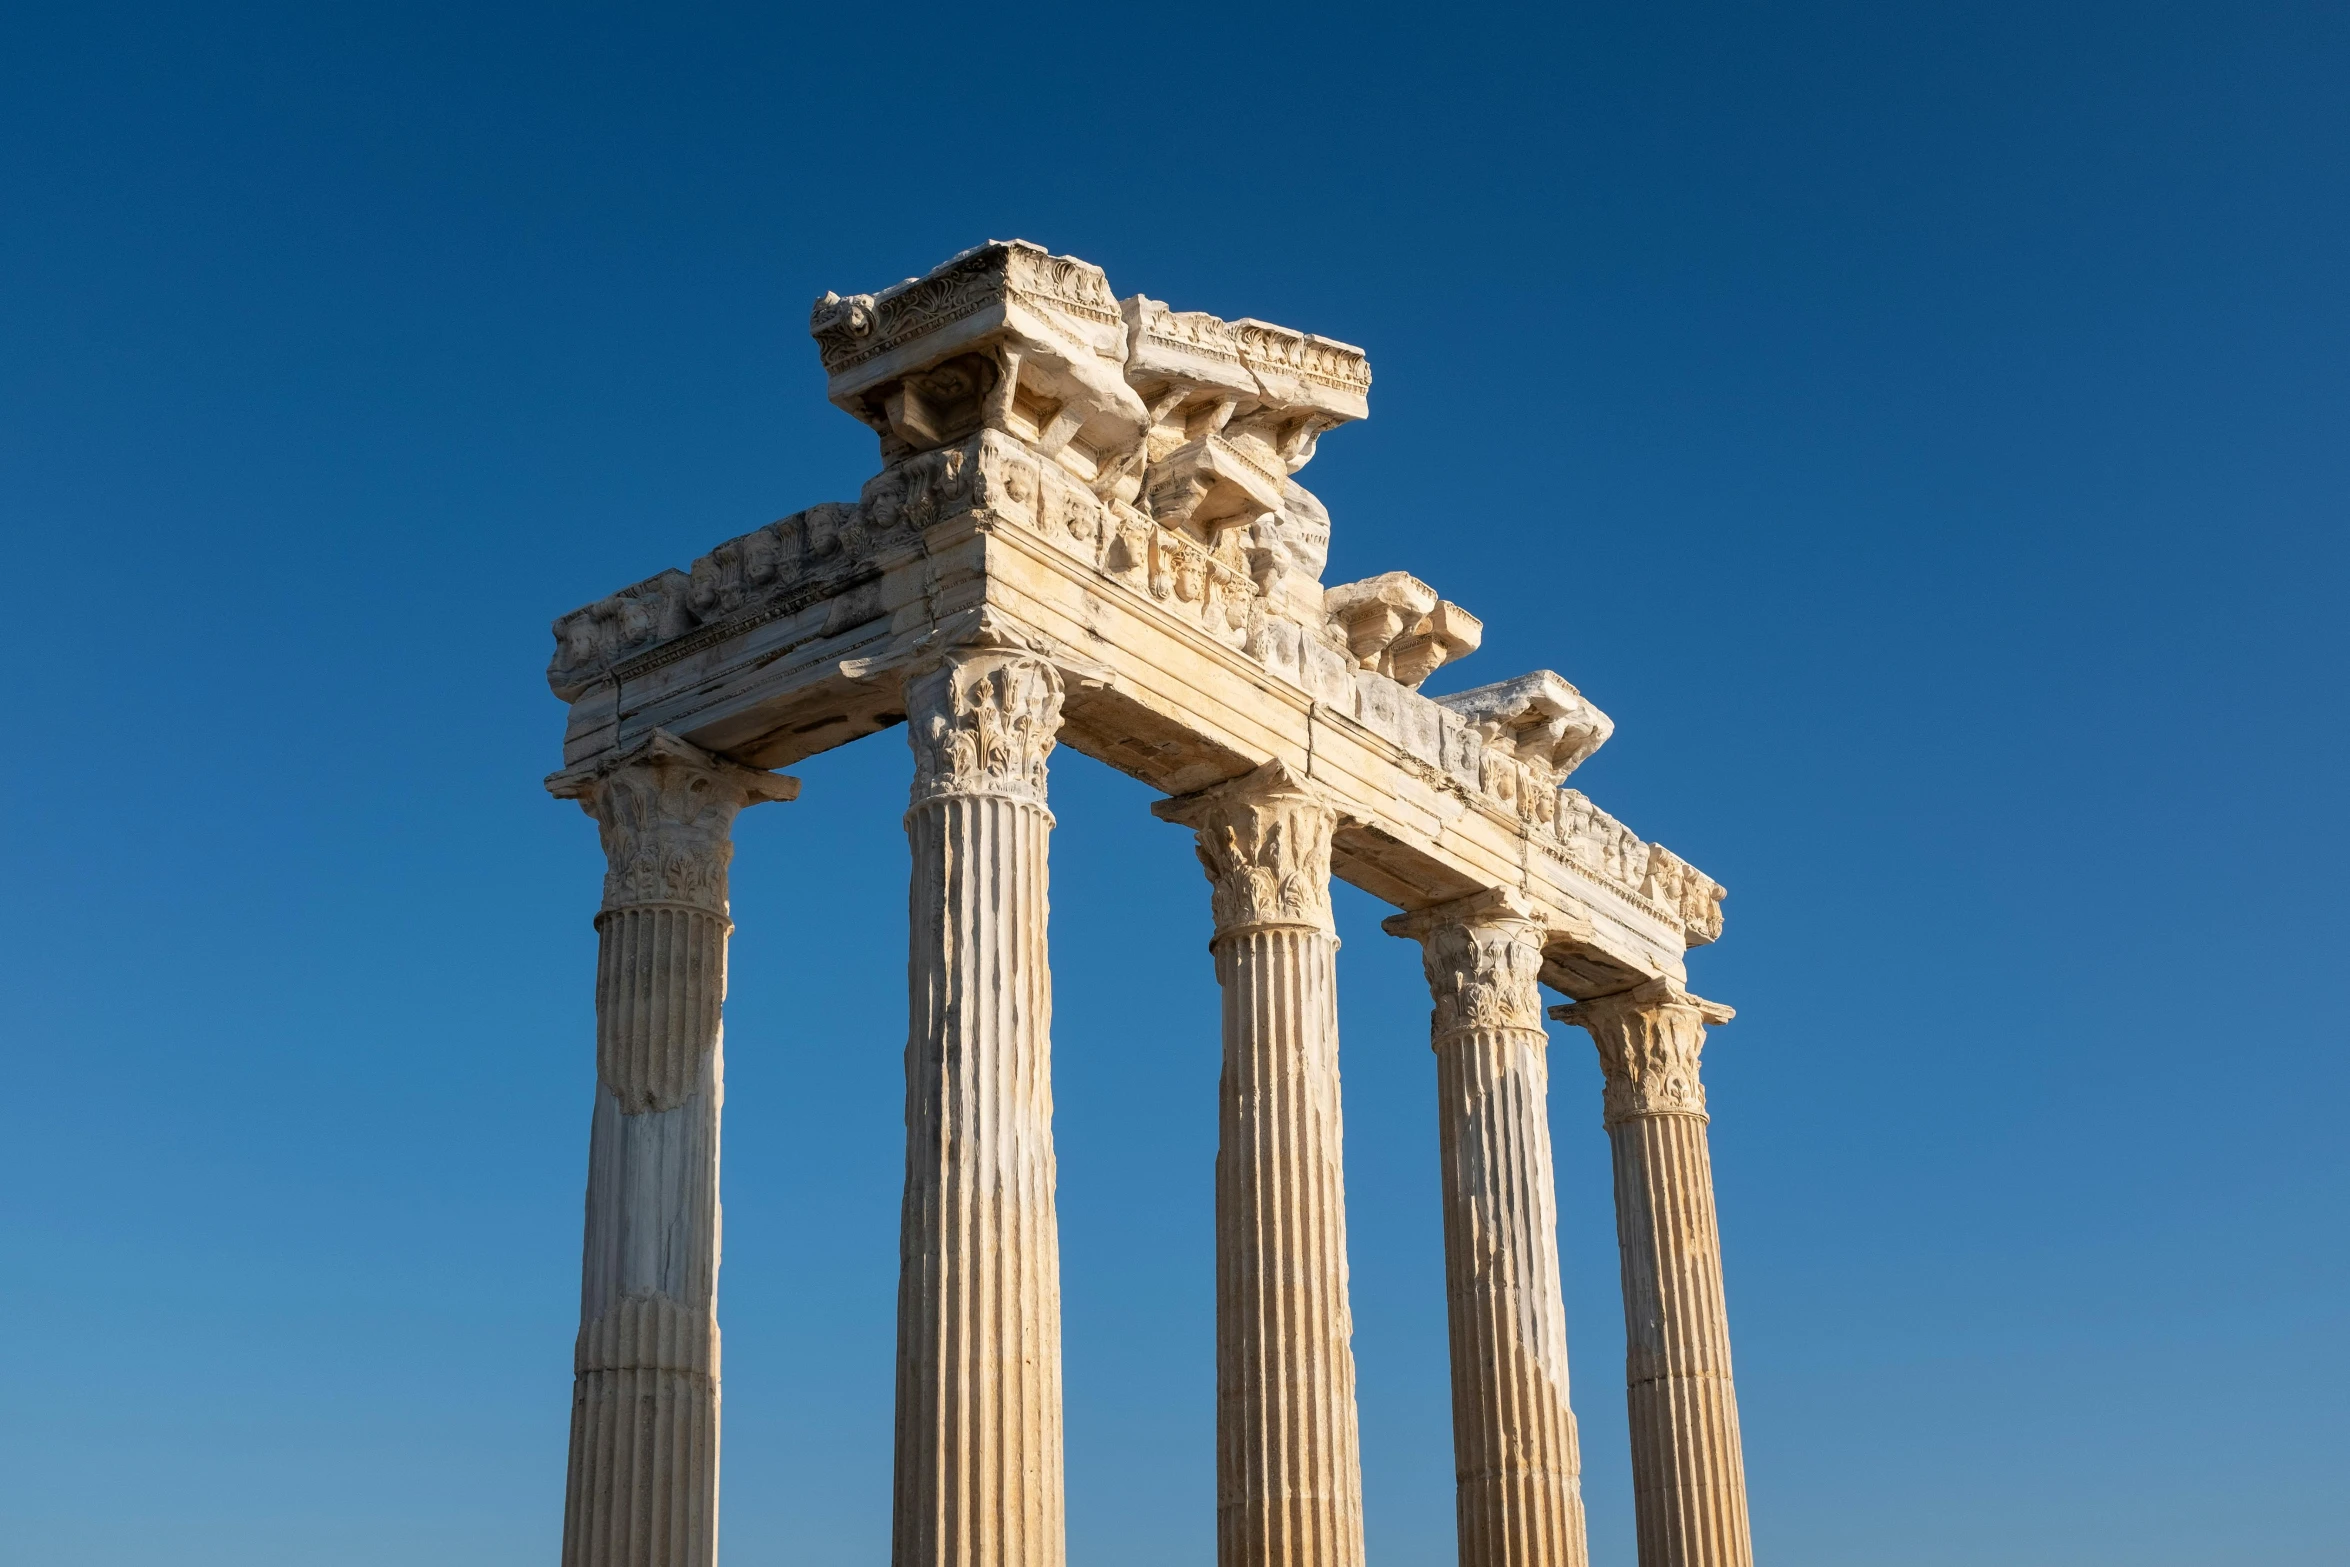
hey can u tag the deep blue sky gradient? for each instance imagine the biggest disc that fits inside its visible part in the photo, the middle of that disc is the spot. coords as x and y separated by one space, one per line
1921 427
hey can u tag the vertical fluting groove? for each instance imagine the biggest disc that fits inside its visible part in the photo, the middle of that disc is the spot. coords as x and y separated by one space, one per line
643 1488
1289 1489
1518 1469
1689 1470
642 1485
1519 1496
978 1474
979 1430
1688 1465
1289 1471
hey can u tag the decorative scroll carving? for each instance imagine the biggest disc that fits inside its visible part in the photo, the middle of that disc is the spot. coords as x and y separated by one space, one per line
1264 841
665 811
1276 352
983 722
1649 1039
1483 957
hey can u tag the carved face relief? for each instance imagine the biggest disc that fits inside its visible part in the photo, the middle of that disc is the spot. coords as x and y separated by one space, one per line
944 403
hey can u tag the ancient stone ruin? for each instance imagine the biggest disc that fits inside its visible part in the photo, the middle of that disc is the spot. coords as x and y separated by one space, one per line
1088 530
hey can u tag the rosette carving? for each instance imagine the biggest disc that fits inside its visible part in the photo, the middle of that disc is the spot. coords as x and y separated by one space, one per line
1483 958
983 722
1264 841
1649 1039
665 811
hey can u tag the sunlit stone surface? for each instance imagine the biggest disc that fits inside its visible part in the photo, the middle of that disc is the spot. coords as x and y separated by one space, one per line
1088 530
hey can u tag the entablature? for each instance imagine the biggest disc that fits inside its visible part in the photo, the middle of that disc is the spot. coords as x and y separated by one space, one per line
1062 491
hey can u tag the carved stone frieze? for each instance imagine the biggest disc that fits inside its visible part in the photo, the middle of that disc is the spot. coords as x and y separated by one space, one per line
665 811
983 721
1264 841
1005 336
1649 1040
1693 896
1286 552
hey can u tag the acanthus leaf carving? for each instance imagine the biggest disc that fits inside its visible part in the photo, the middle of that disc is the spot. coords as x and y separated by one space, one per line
983 721
665 811
1649 1039
1483 959
1264 842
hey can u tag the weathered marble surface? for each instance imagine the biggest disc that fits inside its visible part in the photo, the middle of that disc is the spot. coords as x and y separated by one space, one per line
1688 1463
643 1486
1289 1481
1517 1462
1088 529
979 1286
1119 481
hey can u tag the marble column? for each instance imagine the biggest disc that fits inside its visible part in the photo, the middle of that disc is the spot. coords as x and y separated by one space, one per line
1519 1500
978 1480
643 1485
1289 1490
1688 1471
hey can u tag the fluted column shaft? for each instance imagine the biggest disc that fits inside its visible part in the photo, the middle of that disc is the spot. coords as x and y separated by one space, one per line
643 1483
1288 1460
978 1470
1688 1469
1518 1467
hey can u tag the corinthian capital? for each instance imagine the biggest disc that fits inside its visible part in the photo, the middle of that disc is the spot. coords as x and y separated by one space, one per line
666 811
1264 841
983 721
1649 1039
1483 957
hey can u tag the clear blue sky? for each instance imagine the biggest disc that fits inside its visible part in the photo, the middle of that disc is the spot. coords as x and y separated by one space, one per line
1921 427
